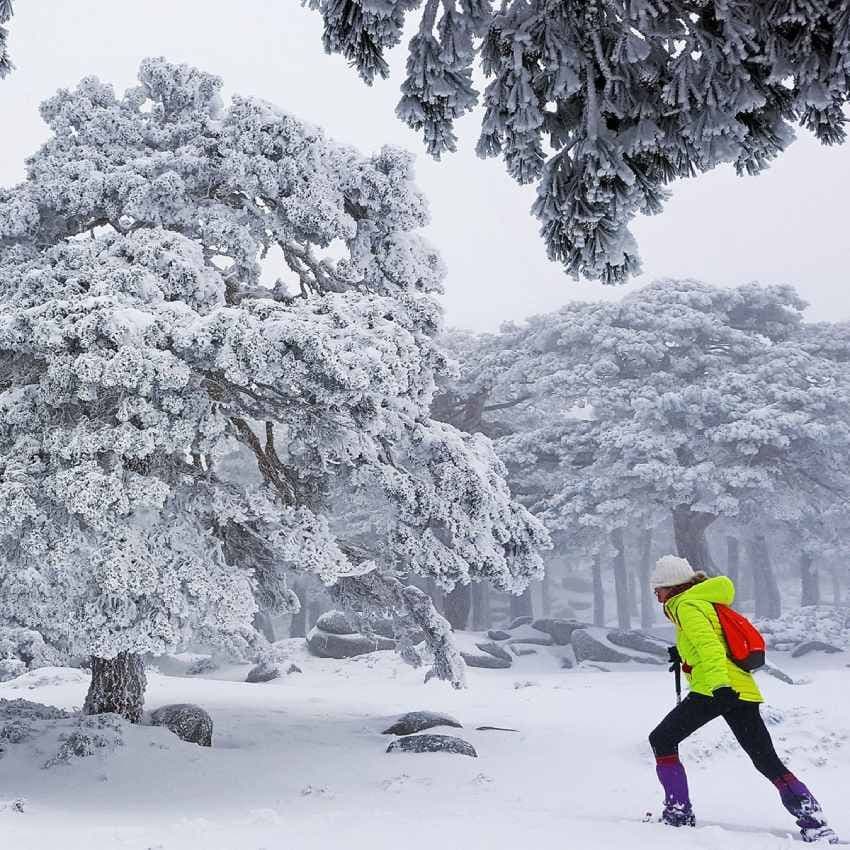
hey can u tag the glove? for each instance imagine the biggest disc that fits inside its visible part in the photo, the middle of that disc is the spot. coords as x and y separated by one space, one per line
726 699
675 658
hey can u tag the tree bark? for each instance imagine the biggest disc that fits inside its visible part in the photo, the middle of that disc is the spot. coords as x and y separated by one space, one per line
634 610
263 624
117 685
314 611
481 616
809 581
733 560
836 588
647 598
689 528
766 590
457 605
598 594
298 624
546 594
522 606
621 581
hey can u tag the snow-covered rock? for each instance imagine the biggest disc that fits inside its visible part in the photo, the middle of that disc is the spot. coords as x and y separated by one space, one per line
433 744
188 722
492 648
489 662
814 646
640 642
826 623
559 630
262 673
326 645
416 721
588 647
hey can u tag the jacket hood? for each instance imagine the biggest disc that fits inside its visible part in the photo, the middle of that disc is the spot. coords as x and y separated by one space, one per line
717 591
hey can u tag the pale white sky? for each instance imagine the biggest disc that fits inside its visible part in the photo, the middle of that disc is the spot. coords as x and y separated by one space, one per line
789 225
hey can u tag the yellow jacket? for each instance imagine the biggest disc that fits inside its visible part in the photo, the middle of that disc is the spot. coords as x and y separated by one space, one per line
700 641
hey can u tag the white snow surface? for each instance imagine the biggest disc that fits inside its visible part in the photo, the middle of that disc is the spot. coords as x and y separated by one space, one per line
300 762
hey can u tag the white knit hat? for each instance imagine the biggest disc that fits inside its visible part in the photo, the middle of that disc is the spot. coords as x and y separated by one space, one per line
671 571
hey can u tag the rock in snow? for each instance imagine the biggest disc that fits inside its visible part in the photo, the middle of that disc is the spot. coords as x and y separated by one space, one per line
262 673
432 744
188 722
336 623
519 621
498 634
814 646
495 650
589 648
327 645
489 662
416 721
561 631
639 642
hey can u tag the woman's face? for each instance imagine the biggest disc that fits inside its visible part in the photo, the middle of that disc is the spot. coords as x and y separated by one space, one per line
662 594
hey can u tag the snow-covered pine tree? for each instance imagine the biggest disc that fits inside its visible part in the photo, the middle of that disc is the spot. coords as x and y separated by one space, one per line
176 430
5 60
603 103
698 401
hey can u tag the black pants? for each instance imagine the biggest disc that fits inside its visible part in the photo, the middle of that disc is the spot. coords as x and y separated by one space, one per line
744 720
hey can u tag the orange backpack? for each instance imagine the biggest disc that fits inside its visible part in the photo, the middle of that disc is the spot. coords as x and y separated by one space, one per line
745 642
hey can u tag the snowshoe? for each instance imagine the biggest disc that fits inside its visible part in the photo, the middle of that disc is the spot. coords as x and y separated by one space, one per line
678 815
819 835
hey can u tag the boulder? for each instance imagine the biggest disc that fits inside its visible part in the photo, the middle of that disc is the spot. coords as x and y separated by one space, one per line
432 744
188 722
520 621
589 648
566 663
262 673
559 630
416 721
814 646
534 641
327 645
495 650
336 623
519 650
639 642
498 634
489 662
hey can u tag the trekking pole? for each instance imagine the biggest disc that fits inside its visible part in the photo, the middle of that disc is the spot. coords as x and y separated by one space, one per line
676 670
677 675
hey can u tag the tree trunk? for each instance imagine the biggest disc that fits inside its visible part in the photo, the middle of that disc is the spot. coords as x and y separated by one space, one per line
457 605
634 610
314 611
546 594
689 528
298 624
522 606
766 590
733 560
598 594
117 685
481 617
263 624
621 581
647 598
809 581
836 588
433 590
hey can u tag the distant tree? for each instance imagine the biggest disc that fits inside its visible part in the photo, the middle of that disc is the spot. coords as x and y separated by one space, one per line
176 433
698 401
604 103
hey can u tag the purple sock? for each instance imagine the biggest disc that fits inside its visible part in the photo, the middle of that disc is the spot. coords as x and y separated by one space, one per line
800 802
672 776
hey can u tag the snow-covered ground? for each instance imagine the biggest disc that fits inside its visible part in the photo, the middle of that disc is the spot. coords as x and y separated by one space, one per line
300 763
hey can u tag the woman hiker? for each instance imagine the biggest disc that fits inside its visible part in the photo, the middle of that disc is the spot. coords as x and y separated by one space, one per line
718 688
